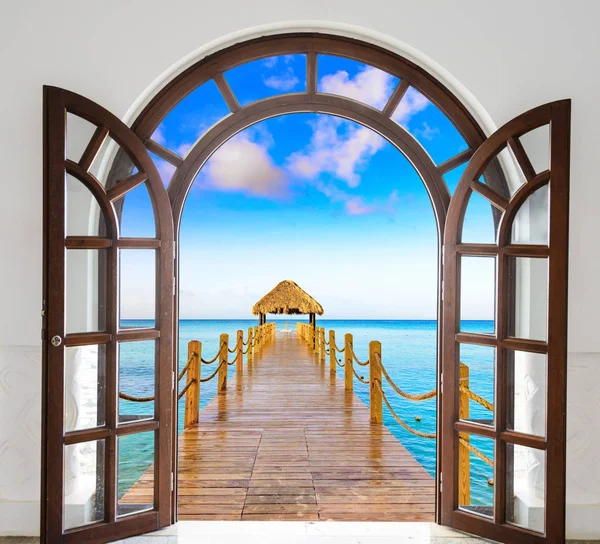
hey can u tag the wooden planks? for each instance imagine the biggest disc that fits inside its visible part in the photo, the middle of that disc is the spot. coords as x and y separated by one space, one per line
285 441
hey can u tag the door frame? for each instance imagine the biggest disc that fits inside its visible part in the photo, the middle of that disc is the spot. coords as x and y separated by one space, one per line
57 104
311 44
557 116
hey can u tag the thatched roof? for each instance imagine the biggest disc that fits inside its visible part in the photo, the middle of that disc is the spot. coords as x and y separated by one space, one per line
287 298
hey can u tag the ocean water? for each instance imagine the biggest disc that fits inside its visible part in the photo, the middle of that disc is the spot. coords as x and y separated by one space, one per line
408 353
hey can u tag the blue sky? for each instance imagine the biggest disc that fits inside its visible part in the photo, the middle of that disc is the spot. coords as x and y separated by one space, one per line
313 198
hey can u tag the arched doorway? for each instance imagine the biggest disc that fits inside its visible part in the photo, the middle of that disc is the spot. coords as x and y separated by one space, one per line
496 184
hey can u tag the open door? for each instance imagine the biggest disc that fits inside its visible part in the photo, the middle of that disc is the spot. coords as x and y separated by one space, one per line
88 347
522 433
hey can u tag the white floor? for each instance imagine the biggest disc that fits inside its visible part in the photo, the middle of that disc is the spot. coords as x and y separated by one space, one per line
300 532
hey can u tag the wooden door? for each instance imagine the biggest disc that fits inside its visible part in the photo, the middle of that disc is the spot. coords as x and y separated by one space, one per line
523 437
90 435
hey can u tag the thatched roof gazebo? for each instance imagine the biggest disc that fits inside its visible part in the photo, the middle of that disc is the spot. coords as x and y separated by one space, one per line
287 297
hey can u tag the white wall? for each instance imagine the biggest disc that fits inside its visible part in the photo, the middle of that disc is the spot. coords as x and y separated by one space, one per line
511 56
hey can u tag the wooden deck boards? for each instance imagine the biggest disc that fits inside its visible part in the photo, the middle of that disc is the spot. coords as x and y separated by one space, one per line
287 442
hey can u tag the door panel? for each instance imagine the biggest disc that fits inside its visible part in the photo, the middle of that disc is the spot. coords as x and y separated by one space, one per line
88 435
521 442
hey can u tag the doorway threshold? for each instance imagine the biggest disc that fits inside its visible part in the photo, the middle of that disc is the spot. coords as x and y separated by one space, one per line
305 532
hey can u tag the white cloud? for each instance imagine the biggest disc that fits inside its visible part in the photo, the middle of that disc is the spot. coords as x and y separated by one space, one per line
337 147
427 132
243 164
270 62
371 86
358 206
283 82
412 103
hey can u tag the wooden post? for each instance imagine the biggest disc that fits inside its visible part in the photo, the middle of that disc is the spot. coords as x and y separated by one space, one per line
255 341
375 385
249 345
348 362
239 363
222 377
322 353
464 461
192 395
332 355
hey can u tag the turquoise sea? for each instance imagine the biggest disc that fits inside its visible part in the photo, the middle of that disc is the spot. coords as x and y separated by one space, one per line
408 353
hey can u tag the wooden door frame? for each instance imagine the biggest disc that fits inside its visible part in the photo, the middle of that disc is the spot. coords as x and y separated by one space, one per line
312 44
557 116
57 103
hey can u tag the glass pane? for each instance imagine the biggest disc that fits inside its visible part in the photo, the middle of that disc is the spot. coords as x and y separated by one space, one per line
79 134
477 380
191 118
479 223
503 174
135 473
138 288
525 486
528 297
475 474
109 153
531 223
137 214
477 294
430 126
85 379
136 379
356 80
85 290
83 214
452 178
537 146
83 483
527 392
267 77
165 169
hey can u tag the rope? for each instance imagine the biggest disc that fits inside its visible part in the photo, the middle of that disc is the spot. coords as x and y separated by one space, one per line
212 375
357 359
340 364
360 378
213 359
408 396
124 396
232 350
398 419
476 398
193 380
185 368
338 349
327 352
246 350
475 451
232 362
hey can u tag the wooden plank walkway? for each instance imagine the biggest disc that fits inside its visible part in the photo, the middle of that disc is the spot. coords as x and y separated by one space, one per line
287 442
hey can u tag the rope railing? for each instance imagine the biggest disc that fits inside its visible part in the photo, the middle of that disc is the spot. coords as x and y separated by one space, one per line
258 337
398 418
474 396
358 361
475 451
315 339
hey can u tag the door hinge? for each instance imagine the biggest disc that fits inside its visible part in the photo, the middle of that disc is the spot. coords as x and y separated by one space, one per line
174 250
172 482
440 482
173 382
441 383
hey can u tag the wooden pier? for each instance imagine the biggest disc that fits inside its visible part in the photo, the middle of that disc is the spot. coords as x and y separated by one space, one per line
287 441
